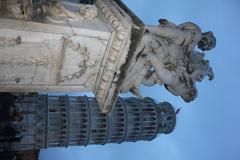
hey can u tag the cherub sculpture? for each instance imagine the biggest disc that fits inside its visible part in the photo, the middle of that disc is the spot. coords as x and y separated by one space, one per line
187 35
167 57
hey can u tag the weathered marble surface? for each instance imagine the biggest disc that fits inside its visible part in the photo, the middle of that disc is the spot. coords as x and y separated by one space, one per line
70 47
40 58
167 56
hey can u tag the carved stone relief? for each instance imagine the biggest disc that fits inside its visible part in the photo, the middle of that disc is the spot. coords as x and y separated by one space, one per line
89 55
9 42
28 62
89 11
85 61
19 9
55 12
44 61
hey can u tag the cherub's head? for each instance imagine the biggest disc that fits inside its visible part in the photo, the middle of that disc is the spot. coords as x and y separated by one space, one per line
199 67
207 42
190 95
165 22
187 93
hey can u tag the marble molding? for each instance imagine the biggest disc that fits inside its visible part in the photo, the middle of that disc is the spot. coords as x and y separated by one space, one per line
66 54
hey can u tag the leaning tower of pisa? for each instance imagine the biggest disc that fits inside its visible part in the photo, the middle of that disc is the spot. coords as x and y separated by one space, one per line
62 121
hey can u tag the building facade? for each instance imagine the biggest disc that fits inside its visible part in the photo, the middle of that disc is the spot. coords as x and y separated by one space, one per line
62 121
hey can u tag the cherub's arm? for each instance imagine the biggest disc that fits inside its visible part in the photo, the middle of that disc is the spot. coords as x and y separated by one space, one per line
151 79
164 75
167 23
173 33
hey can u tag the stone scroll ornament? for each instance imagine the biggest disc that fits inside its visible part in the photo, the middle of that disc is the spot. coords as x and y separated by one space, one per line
22 9
53 10
167 56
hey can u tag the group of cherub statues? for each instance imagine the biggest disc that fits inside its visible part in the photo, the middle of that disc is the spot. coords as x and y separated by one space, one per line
167 56
27 9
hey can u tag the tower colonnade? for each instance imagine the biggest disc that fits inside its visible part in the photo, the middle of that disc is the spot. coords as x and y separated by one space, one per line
62 121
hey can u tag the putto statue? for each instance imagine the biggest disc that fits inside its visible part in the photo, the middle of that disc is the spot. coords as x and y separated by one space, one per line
167 56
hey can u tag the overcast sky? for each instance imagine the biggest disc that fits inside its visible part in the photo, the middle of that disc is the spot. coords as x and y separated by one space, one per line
208 128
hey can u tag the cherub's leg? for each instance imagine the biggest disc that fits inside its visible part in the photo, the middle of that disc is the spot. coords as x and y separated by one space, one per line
151 79
135 91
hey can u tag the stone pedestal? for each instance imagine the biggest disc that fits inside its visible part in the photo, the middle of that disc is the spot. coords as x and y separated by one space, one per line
65 55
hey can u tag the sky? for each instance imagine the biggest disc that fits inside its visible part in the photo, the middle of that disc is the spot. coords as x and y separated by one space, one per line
208 128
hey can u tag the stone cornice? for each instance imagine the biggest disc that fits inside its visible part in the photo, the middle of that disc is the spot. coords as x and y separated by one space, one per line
109 72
